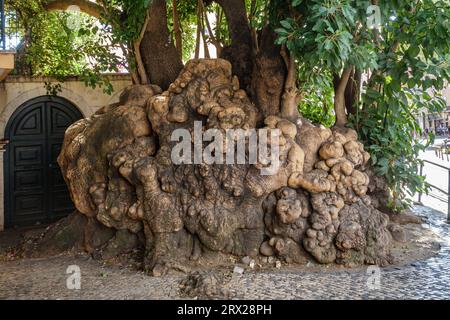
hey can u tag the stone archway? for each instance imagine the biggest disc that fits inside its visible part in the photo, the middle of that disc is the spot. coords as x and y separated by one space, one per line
34 188
19 100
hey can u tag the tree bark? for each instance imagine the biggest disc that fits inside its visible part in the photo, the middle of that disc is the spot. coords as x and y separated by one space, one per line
199 32
339 97
269 74
159 55
252 28
203 14
143 74
177 28
239 53
352 92
291 96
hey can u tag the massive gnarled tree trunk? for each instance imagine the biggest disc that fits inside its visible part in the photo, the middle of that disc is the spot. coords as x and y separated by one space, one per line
121 173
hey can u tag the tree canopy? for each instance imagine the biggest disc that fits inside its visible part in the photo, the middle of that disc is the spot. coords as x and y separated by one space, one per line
370 65
405 63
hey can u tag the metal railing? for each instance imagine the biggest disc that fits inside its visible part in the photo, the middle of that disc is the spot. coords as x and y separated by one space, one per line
11 30
441 149
2 26
447 193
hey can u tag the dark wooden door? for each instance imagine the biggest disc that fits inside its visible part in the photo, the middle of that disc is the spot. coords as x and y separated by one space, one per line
35 191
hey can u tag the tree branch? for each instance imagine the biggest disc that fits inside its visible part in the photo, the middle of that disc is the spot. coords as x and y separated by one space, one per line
213 39
219 18
291 96
239 53
252 28
198 35
176 28
137 53
202 20
339 97
88 7
353 91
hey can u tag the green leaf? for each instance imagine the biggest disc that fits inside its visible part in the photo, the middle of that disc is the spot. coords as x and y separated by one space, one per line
281 31
328 45
286 24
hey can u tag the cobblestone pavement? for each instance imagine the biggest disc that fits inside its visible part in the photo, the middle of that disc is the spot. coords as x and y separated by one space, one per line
429 279
46 279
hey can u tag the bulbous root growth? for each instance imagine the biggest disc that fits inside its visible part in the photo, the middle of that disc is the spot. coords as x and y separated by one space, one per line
118 167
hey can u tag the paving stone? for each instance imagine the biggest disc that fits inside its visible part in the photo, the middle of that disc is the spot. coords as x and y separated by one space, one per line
46 279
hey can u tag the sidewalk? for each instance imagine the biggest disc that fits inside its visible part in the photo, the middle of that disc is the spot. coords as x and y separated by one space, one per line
436 176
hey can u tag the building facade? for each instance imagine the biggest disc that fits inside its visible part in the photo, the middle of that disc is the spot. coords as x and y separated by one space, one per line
32 126
436 122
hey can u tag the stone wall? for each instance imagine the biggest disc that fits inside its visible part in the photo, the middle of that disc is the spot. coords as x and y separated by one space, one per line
17 90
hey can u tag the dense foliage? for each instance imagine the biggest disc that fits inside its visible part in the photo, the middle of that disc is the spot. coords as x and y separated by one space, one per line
405 61
317 103
413 67
64 44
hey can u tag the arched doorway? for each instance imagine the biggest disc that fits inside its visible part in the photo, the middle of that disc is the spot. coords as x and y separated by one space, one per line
35 191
